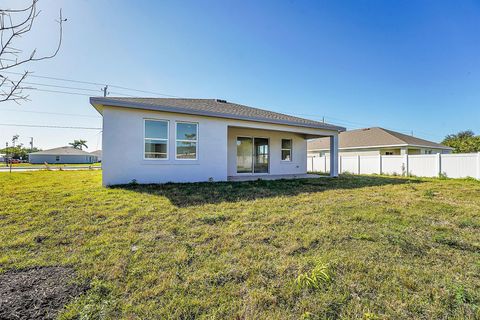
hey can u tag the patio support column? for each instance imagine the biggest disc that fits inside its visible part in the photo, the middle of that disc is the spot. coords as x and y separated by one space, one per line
334 156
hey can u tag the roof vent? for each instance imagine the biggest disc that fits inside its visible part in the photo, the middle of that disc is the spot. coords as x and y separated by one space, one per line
221 100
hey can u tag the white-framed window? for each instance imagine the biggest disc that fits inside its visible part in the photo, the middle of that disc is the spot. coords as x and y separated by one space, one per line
156 139
286 149
57 158
186 140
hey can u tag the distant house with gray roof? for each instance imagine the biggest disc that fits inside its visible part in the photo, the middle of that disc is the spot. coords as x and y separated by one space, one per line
376 141
63 155
98 154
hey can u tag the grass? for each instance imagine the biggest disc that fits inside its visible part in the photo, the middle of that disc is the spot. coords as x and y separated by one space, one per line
353 247
35 165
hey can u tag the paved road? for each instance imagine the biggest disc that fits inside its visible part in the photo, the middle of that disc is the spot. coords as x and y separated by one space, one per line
22 169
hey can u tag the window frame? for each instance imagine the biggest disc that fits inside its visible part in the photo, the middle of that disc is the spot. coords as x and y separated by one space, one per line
282 149
145 138
196 141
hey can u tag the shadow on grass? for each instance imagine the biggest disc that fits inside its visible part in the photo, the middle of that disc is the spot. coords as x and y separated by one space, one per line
190 194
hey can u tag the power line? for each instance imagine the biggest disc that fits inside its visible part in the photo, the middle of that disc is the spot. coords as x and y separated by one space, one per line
67 92
359 125
92 83
45 126
63 87
58 91
339 121
52 113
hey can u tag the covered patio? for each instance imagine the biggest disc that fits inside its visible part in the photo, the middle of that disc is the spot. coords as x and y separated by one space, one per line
270 152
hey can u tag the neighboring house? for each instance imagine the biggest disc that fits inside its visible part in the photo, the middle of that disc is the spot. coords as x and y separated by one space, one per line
158 140
62 155
98 154
2 157
376 141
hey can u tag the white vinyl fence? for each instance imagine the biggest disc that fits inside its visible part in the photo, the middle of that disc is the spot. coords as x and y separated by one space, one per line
458 165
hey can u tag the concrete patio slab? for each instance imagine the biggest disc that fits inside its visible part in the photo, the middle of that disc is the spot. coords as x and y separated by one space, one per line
275 177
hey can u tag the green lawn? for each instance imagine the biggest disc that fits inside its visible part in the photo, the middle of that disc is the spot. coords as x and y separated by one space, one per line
353 247
97 164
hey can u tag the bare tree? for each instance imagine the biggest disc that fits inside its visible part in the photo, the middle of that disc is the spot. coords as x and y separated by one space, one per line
14 24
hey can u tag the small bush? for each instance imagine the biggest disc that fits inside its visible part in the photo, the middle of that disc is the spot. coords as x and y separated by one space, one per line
429 194
211 220
318 277
442 176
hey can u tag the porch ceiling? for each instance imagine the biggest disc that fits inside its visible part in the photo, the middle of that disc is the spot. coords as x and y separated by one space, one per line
307 133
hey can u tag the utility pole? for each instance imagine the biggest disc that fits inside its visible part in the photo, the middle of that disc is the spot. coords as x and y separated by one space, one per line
31 144
6 157
105 90
6 154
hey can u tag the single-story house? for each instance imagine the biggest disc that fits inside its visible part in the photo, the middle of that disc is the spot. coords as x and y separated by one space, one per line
98 154
376 141
159 140
61 155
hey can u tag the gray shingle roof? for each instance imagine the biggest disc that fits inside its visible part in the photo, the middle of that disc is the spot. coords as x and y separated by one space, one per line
62 151
372 137
213 108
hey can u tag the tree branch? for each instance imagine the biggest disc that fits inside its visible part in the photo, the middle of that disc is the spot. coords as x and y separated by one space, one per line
10 55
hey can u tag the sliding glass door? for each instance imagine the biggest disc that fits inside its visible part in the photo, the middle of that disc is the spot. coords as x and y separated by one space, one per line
260 163
252 155
244 155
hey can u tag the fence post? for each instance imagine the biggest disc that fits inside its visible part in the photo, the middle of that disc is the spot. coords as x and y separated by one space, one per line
358 164
380 164
405 163
478 166
438 161
339 164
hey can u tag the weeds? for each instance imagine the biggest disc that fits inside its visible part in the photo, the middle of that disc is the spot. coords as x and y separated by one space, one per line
429 194
315 279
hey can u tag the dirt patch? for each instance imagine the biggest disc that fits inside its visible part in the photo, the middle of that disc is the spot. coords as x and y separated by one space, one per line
37 293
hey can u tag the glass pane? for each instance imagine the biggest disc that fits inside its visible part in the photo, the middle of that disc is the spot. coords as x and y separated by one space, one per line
186 150
286 144
244 155
156 149
286 155
156 129
186 131
261 155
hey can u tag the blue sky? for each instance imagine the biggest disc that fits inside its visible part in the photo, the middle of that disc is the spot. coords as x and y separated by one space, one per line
403 65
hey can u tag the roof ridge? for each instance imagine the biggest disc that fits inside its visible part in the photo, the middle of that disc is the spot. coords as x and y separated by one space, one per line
411 136
390 132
